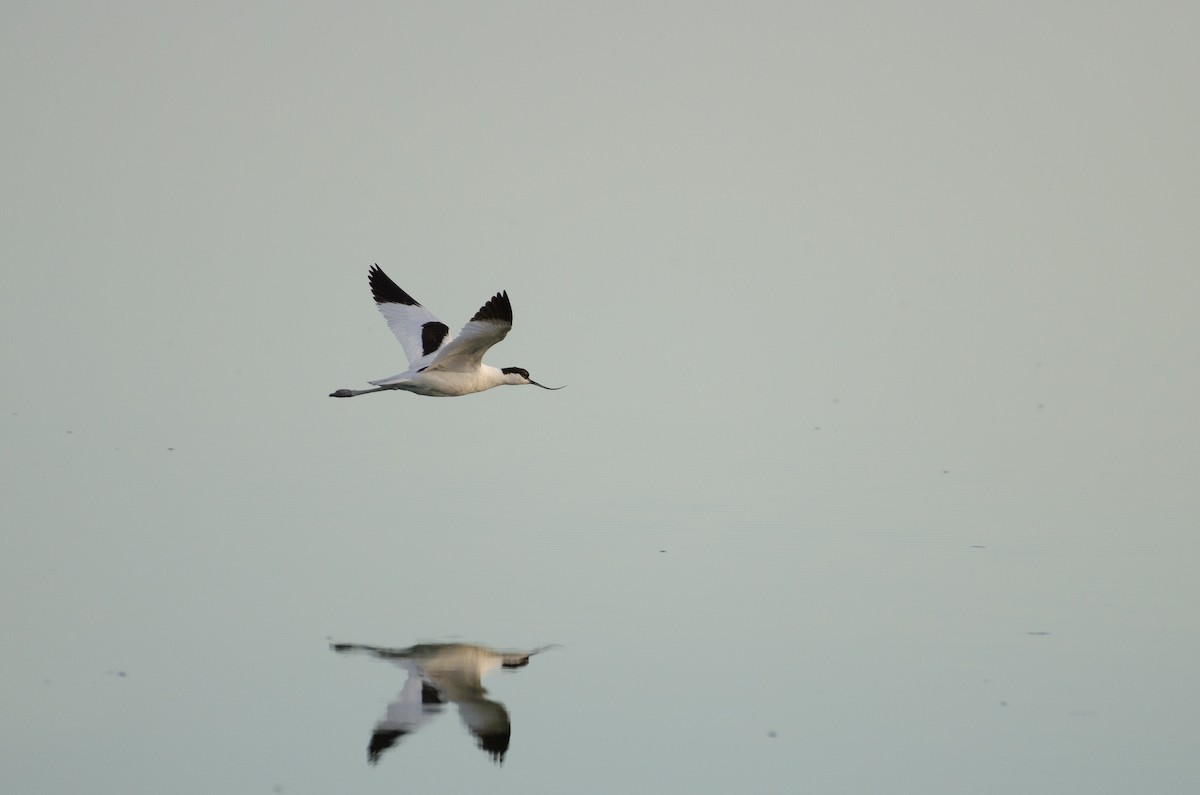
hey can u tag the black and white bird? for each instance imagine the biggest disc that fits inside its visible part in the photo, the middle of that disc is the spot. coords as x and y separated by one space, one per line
440 365
441 672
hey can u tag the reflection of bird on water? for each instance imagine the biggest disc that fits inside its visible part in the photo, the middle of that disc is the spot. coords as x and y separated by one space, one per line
441 672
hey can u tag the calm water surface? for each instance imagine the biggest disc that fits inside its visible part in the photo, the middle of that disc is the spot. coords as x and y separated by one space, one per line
180 642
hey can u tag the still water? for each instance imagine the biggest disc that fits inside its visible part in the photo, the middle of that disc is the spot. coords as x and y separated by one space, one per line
170 630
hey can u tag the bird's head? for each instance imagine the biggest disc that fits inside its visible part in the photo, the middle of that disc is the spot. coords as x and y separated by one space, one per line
519 375
519 659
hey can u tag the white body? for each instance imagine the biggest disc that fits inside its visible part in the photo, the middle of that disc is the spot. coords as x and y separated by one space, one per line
449 383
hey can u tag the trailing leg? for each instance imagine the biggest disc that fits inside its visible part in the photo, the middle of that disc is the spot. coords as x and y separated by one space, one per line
357 392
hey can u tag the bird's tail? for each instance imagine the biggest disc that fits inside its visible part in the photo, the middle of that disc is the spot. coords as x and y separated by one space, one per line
356 647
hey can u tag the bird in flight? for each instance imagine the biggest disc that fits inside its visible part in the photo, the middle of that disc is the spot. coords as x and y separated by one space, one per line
440 365
441 672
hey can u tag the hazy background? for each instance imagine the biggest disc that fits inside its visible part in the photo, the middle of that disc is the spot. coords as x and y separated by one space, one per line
880 328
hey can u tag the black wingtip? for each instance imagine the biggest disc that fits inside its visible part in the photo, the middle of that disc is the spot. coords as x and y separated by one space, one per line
497 308
382 740
495 744
386 291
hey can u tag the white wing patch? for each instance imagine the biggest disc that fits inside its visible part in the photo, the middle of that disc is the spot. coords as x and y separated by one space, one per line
426 340
417 329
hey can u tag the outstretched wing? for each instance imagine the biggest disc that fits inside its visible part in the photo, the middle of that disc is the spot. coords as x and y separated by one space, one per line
417 329
456 677
490 325
488 721
417 703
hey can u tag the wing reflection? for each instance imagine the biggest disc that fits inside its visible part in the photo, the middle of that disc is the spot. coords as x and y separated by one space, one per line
441 672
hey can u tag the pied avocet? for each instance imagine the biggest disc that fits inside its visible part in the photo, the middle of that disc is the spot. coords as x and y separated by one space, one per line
440 365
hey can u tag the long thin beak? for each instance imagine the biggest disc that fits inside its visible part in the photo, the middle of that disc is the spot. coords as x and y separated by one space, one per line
543 386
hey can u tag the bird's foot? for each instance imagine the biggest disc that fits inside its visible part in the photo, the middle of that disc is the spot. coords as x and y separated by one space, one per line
343 393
